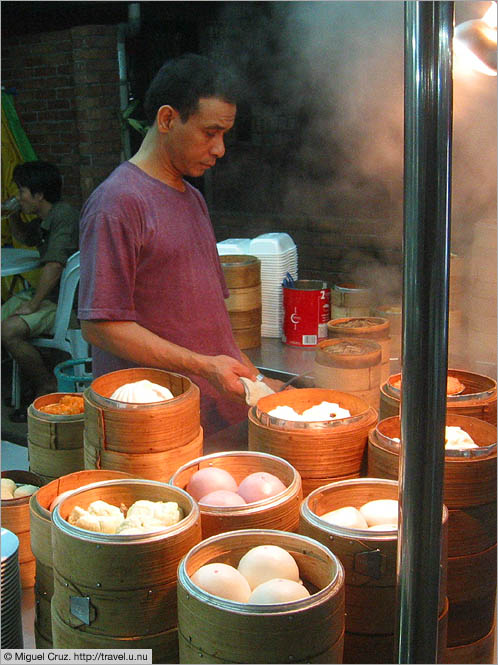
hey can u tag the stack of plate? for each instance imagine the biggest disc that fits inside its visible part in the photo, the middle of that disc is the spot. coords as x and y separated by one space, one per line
12 637
278 255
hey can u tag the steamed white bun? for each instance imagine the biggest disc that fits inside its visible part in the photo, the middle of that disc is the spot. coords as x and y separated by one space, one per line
348 517
265 562
458 439
380 511
278 590
142 392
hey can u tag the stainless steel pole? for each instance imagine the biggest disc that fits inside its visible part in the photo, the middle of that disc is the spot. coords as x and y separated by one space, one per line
428 132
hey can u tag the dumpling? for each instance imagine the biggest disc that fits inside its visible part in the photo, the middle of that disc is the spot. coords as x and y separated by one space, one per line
6 493
25 490
325 411
154 513
102 508
458 439
142 392
9 484
75 514
141 511
109 523
88 522
167 513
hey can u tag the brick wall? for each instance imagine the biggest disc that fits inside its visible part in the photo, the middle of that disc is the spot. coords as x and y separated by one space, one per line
67 100
67 84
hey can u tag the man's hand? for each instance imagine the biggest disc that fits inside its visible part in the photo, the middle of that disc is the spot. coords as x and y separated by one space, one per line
27 307
224 373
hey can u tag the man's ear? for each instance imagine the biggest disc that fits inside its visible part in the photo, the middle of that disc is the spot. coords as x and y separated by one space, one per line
165 117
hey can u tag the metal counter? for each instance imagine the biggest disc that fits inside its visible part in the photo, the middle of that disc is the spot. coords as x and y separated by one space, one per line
281 361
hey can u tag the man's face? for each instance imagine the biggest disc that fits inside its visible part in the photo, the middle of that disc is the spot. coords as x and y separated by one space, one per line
194 146
30 203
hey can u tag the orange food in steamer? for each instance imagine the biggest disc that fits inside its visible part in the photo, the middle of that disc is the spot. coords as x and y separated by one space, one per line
68 405
453 385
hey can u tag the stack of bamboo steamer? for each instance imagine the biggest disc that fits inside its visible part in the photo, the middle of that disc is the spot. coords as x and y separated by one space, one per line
15 518
41 543
369 561
470 495
146 440
55 442
349 365
350 299
277 512
393 313
216 630
366 327
321 452
119 591
477 399
243 278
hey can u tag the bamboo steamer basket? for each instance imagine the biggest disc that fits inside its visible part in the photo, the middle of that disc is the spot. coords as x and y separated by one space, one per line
146 440
368 557
472 596
241 270
243 300
44 590
480 651
320 451
366 327
352 366
350 299
470 494
55 442
141 428
381 648
97 575
393 313
15 518
41 543
243 278
469 477
153 466
477 400
279 512
216 630
248 338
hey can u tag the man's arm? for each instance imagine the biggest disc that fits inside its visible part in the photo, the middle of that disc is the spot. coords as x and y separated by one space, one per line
131 341
50 275
28 233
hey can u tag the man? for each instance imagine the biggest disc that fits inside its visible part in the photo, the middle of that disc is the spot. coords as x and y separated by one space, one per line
54 232
152 289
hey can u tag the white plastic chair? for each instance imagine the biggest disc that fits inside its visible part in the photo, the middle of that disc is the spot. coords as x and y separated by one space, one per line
62 336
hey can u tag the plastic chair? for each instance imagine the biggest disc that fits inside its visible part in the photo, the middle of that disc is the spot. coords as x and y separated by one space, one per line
62 337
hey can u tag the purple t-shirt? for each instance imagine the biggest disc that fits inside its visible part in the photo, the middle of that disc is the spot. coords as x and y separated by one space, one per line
148 254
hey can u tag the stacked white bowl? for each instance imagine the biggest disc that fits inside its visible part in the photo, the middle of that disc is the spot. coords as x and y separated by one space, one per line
278 255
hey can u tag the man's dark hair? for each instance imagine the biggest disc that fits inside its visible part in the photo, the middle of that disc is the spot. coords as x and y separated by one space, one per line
40 178
182 81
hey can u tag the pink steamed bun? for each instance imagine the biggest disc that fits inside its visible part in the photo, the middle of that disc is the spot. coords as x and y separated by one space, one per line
260 485
209 480
222 498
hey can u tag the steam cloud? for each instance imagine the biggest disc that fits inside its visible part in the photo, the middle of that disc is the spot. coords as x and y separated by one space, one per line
328 76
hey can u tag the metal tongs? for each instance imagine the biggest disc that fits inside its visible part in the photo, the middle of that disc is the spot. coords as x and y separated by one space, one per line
288 281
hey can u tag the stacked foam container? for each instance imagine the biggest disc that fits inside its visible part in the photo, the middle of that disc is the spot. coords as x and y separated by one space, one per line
278 255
